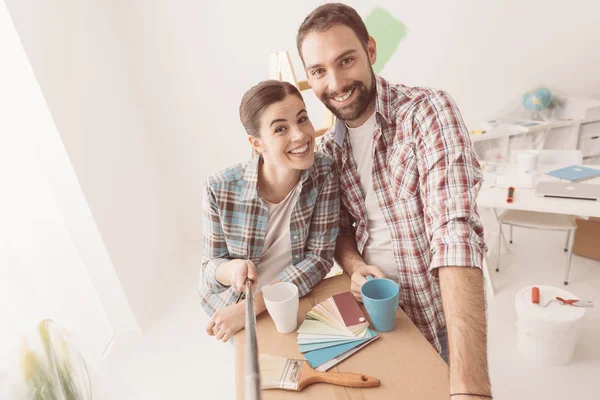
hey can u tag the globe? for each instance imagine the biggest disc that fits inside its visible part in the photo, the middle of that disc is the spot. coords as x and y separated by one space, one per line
537 99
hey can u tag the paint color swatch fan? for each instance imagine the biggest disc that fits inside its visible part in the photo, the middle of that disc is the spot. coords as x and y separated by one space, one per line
334 330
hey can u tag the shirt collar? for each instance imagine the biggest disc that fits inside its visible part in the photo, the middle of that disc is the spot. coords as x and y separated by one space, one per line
383 107
250 183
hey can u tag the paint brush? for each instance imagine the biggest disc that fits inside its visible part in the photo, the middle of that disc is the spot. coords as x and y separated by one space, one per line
289 374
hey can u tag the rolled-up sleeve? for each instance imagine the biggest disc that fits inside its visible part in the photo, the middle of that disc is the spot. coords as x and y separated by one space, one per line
320 245
450 179
214 248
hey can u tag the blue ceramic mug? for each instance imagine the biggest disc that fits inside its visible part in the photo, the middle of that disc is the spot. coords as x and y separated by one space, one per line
380 297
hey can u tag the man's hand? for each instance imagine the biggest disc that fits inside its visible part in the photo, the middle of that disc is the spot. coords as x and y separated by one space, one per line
359 277
227 322
242 270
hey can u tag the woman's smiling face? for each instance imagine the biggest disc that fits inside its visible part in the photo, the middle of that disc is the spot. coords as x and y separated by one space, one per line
287 137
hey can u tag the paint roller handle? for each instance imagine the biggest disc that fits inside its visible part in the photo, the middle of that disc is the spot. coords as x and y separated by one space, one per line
575 302
510 197
535 295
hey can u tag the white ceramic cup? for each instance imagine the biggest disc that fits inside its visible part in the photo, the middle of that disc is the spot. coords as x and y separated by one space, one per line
282 304
527 161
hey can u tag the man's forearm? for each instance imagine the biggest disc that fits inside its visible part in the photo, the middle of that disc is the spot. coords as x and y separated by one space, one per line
464 306
347 255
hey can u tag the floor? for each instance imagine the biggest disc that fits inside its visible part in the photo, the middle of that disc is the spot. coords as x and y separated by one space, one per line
177 360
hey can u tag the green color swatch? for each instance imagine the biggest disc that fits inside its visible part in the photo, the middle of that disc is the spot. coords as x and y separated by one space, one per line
387 31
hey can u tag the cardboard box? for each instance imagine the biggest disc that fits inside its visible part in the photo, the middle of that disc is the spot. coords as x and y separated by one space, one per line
587 238
403 360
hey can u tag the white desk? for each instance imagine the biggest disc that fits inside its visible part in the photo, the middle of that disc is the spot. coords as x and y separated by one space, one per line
526 200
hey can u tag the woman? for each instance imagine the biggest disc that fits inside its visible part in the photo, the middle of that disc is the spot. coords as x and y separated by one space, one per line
274 218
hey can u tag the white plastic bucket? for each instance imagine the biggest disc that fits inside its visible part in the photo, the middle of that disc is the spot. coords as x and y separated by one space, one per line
547 335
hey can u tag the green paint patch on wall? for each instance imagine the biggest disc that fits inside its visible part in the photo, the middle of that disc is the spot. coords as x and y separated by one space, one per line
388 33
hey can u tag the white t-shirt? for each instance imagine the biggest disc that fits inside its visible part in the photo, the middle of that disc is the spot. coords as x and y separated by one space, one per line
277 250
378 250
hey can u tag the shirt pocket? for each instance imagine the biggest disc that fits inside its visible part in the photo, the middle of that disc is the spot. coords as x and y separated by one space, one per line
402 168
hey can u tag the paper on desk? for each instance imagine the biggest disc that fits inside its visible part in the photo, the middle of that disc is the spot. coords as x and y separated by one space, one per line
518 180
317 357
330 306
304 338
324 359
310 326
336 360
347 307
326 315
327 322
319 313
316 346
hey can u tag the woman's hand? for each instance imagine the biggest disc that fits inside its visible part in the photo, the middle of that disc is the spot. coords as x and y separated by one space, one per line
242 270
227 322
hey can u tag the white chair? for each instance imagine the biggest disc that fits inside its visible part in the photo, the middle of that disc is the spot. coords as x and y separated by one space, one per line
539 220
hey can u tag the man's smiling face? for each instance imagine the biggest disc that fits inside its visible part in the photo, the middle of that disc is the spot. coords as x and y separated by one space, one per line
339 70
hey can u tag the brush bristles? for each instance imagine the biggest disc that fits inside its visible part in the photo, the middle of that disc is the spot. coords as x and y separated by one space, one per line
279 372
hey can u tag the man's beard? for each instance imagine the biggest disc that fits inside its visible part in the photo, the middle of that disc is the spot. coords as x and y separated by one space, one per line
352 111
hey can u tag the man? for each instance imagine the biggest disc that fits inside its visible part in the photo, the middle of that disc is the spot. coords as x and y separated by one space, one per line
409 180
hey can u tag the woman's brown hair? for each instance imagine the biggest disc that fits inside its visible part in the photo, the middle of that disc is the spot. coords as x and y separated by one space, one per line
261 96
327 15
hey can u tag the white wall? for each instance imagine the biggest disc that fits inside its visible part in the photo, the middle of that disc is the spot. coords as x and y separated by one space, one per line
488 53
41 268
41 272
192 61
77 60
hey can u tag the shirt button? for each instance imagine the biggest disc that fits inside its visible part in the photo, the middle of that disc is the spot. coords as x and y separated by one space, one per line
296 256
295 237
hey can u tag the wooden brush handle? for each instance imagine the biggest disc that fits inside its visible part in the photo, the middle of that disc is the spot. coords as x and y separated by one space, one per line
347 379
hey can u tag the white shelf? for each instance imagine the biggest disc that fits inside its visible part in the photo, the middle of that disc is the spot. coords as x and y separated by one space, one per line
507 130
